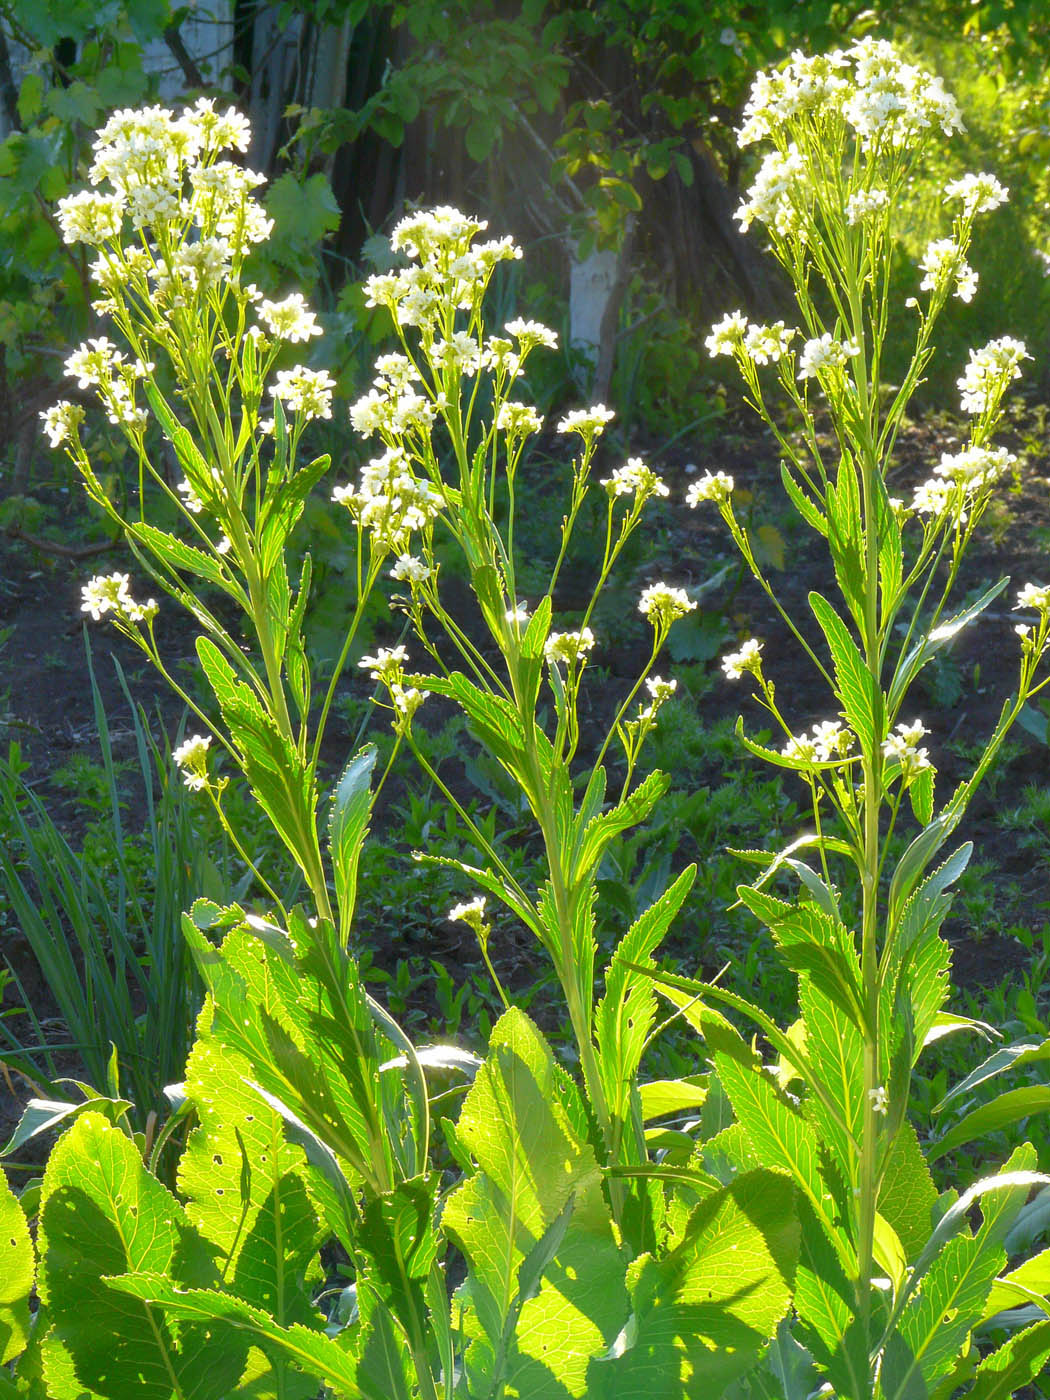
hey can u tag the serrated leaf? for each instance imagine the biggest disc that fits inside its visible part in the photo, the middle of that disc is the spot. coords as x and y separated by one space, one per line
594 837
347 829
625 1014
1033 1276
313 1352
102 1213
525 1127
907 1194
930 643
17 1275
1021 1359
1016 1056
184 557
854 683
703 1315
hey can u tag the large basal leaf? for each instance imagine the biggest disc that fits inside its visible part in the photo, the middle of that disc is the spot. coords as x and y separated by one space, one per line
312 1352
703 1315
246 1190
525 1127
102 1213
17 1274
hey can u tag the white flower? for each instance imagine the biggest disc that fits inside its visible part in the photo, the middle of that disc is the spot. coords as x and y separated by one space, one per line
662 604
831 740
942 261
472 912
93 362
768 344
903 746
659 689
1034 595
388 663
712 486
588 422
306 391
192 757
800 748
780 195
406 702
823 354
461 352
748 658
192 501
979 193
90 218
935 497
109 593
518 616
569 647
517 419
727 335
863 204
635 478
290 319
530 333
879 1099
410 568
988 373
976 467
61 421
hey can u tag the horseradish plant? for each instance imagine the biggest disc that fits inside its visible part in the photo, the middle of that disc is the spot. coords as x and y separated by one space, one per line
892 1284
313 1118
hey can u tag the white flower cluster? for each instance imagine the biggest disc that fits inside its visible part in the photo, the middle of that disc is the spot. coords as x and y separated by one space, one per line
394 407
192 757
727 335
472 913
660 691
976 467
61 421
769 344
942 262
989 372
868 86
863 205
290 319
305 391
569 647
389 501
588 422
780 196
517 419
109 593
1034 595
388 666
748 658
825 354
661 604
979 193
637 479
903 746
449 266
828 742
712 486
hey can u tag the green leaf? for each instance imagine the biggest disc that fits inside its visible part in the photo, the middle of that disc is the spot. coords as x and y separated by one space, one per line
624 1016
661 1097
1003 1111
17 1275
808 509
178 555
930 643
1021 1359
525 1126
1033 1276
846 535
704 1314
593 838
834 1048
1016 1056
907 1195
245 1187
101 1213
312 1352
854 683
45 1115
304 211
347 829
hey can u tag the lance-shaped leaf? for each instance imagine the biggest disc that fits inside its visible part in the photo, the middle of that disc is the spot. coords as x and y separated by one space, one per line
246 1190
1008 1108
526 1128
703 1315
854 683
347 828
312 1352
928 645
1016 1056
17 1275
594 837
907 1195
625 1014
102 1213
1017 1362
